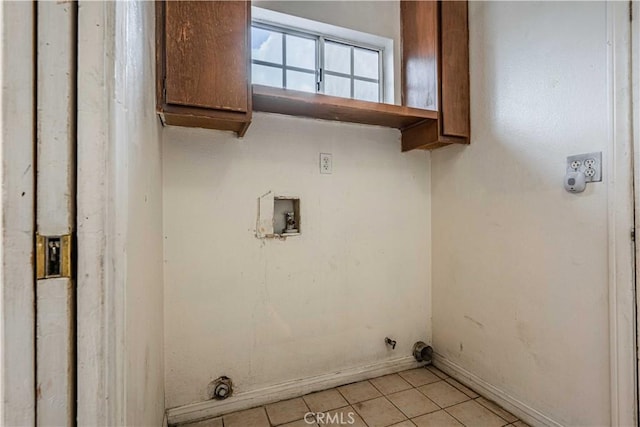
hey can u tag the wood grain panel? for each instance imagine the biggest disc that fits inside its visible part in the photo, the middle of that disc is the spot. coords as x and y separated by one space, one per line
420 136
454 69
159 9
207 54
178 115
205 122
419 23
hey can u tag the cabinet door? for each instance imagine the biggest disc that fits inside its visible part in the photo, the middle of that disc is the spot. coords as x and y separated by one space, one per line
419 21
454 68
435 59
207 54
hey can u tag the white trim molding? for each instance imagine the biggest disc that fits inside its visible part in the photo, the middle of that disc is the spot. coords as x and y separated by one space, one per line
622 333
512 404
286 390
100 365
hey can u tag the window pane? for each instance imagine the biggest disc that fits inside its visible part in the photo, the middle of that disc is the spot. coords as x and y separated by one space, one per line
264 75
365 63
366 91
301 81
301 52
337 86
337 57
266 45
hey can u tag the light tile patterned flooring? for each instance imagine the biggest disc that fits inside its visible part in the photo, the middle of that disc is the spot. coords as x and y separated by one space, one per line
423 397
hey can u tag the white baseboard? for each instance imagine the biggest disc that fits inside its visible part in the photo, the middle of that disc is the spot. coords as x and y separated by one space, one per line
287 390
516 407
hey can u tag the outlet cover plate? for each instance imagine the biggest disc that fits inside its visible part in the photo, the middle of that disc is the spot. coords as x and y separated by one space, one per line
326 163
584 162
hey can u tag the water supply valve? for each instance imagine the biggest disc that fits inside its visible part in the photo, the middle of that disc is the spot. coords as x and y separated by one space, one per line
390 342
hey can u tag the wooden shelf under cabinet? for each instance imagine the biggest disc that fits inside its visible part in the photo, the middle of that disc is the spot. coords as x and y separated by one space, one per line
411 121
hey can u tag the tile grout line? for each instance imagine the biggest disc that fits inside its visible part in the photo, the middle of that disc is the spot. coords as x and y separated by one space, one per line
396 406
508 422
360 401
389 400
413 387
451 406
381 395
474 399
427 397
453 416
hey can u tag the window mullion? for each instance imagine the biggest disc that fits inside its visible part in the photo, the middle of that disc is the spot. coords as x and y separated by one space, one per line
320 64
380 77
352 72
284 61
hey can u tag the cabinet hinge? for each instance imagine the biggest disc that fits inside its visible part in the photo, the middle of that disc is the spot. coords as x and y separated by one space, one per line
53 256
633 234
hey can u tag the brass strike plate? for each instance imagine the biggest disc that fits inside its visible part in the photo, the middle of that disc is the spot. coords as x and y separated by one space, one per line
53 256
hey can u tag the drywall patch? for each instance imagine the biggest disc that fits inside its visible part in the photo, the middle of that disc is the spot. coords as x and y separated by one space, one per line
264 227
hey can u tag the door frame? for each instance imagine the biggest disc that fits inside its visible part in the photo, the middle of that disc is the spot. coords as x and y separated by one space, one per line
635 123
623 170
100 285
98 360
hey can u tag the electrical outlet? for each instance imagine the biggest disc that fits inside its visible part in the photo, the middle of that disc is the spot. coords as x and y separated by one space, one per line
326 164
589 164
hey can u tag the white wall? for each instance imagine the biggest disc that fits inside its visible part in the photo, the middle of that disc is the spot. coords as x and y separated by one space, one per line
520 273
267 311
138 214
381 17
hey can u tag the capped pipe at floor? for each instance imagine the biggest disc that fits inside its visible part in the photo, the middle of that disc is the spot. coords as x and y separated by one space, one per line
422 352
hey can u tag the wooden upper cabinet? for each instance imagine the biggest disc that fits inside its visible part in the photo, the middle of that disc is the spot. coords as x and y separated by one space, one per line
435 70
204 63
203 51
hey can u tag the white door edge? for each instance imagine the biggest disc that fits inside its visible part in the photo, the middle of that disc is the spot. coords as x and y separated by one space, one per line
621 219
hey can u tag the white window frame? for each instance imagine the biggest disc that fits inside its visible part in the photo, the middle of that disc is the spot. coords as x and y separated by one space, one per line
294 25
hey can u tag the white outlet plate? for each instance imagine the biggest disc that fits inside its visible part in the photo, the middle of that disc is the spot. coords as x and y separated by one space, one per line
590 164
326 163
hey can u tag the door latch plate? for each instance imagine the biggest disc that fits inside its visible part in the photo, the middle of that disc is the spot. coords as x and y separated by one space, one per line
53 256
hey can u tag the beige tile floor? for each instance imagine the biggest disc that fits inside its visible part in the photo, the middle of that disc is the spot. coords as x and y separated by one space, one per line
423 397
